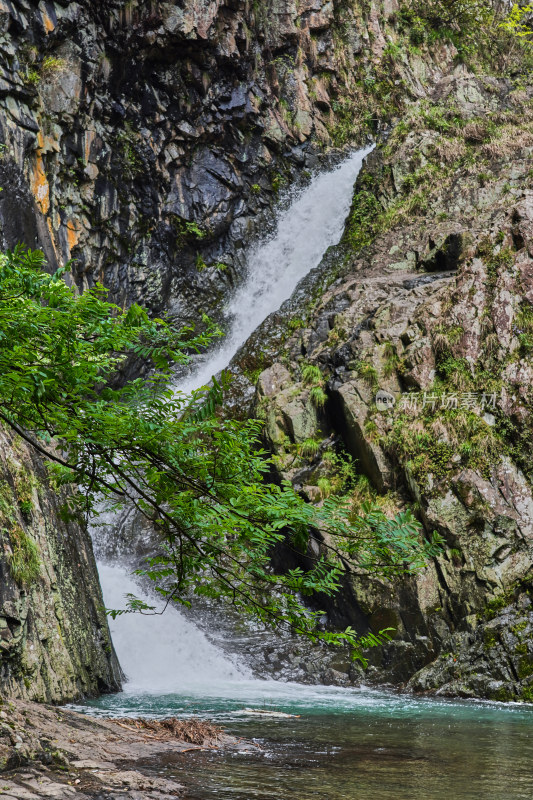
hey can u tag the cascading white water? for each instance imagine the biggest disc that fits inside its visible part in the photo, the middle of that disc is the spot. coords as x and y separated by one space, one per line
313 222
157 652
165 654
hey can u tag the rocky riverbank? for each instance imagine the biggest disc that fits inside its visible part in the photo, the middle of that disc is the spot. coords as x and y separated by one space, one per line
52 752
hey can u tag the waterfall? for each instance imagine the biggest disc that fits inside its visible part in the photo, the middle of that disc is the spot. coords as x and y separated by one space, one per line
313 222
169 653
156 651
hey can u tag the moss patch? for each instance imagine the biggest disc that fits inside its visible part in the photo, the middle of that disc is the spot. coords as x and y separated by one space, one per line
24 559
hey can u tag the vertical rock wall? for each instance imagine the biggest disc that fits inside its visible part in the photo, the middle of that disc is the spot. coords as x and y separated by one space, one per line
154 137
54 639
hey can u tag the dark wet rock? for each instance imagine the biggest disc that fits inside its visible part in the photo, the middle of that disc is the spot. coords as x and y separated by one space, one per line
154 139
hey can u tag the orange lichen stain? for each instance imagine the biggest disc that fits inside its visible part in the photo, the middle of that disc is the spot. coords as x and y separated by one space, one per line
88 139
51 144
73 234
38 180
47 22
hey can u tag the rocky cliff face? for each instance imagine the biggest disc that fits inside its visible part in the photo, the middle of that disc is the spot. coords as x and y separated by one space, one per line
148 141
54 640
433 309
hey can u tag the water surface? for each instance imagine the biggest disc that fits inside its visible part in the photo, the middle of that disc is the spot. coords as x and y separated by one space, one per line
347 744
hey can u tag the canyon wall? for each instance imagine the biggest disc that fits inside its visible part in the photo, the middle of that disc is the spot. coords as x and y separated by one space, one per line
151 140
419 328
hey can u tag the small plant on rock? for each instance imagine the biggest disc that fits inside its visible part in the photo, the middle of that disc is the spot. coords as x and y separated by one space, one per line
310 448
24 561
312 376
318 396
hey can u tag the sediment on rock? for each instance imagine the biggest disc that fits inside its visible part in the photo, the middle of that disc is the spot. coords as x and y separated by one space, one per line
57 753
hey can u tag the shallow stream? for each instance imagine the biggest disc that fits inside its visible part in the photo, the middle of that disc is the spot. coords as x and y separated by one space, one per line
341 743
346 744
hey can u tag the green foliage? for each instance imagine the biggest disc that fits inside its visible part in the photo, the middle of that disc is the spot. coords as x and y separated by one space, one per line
277 182
200 263
368 217
527 694
295 323
368 373
194 230
456 372
456 556
35 67
24 490
498 603
311 375
523 328
52 65
32 77
133 606
325 486
186 232
489 638
392 51
390 357
318 396
363 222
519 22
519 627
342 475
517 440
444 337
429 443
310 448
489 37
438 118
525 666
128 142
22 552
201 481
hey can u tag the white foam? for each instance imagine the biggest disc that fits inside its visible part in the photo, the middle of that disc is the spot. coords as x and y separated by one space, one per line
161 653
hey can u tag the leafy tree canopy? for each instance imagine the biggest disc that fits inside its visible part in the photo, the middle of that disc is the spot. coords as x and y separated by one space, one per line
199 479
